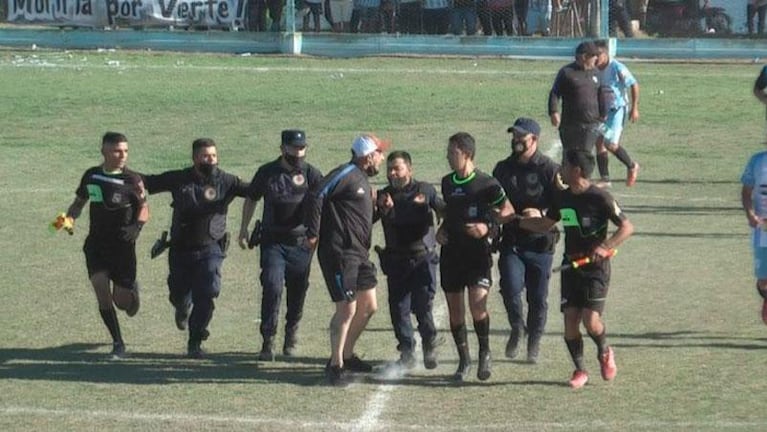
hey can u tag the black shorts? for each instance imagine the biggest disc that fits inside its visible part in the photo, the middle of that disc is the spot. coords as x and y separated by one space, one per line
578 137
117 258
586 287
465 265
346 274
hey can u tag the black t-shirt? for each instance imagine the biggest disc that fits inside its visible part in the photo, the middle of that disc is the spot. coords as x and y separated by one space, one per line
284 192
409 225
585 218
528 184
199 203
579 90
340 211
469 200
114 200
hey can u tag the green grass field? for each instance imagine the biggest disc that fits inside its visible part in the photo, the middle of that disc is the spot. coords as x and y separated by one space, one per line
682 313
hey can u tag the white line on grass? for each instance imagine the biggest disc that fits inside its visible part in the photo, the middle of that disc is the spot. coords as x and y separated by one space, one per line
370 419
198 419
105 64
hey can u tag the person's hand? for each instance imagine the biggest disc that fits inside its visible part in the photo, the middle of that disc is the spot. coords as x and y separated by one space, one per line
601 253
385 203
311 243
634 115
754 220
242 239
130 233
476 230
555 119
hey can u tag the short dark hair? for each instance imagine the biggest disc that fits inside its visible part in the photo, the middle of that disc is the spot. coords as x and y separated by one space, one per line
464 142
602 44
113 138
201 143
581 159
400 154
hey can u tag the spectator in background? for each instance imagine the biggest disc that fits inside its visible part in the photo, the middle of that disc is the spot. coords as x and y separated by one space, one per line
436 17
315 10
341 11
539 17
388 15
410 16
463 16
756 8
520 8
619 15
501 17
370 16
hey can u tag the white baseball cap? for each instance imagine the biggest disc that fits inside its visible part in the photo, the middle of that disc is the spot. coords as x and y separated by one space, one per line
365 144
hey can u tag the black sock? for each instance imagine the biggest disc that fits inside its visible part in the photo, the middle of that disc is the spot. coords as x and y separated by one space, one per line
624 157
575 346
482 328
602 162
109 316
601 342
459 336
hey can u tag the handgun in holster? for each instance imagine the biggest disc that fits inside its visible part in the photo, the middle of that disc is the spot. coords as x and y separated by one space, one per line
160 245
256 235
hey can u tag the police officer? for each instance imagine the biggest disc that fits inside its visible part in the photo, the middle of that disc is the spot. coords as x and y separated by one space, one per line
201 196
530 181
285 260
406 207
118 210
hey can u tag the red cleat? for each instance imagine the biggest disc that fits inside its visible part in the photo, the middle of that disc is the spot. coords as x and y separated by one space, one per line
579 379
607 364
631 178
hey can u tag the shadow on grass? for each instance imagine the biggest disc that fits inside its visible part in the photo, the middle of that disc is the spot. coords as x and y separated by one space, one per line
79 362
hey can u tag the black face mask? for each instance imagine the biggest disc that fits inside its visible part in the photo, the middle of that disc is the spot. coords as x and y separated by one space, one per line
294 161
206 169
518 147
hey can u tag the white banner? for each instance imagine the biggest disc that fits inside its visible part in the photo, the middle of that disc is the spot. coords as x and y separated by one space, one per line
129 13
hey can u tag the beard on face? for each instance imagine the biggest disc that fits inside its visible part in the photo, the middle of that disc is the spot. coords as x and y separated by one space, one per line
206 169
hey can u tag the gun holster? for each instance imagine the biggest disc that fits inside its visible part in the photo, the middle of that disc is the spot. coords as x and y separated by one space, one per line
256 235
160 245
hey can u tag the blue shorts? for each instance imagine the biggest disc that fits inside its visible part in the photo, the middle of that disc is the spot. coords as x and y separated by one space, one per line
613 126
760 254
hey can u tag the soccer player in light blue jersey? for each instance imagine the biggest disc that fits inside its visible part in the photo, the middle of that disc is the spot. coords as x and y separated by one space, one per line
624 104
753 196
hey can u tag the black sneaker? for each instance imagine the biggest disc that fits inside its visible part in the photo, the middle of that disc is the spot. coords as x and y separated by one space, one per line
133 308
266 354
406 360
194 351
336 375
289 348
512 346
430 352
533 350
483 370
356 364
118 350
462 373
182 316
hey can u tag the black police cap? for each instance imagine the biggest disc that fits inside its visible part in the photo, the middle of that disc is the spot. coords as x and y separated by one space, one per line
294 137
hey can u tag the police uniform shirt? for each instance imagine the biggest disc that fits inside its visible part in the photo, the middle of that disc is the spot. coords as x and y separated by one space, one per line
199 203
284 191
579 90
340 211
114 200
528 184
585 218
469 200
409 225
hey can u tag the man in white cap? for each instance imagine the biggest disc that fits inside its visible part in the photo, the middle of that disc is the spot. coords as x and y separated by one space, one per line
340 215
